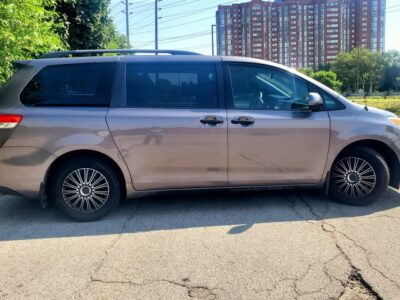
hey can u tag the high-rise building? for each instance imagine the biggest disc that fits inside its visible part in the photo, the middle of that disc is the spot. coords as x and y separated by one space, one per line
300 33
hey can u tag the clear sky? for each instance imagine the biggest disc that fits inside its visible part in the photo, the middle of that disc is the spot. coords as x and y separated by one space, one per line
186 24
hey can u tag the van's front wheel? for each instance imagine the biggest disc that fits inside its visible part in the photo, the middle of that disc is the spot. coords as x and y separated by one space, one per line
359 177
86 190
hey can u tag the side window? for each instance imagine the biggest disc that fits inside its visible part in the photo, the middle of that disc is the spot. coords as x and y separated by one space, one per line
71 85
331 103
171 85
267 88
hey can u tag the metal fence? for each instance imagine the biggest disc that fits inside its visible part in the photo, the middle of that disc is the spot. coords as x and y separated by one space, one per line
372 95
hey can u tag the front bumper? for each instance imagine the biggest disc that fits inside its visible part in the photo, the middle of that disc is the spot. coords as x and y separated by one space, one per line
23 169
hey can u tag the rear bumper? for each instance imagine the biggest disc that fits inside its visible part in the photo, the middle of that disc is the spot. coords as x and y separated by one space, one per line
23 169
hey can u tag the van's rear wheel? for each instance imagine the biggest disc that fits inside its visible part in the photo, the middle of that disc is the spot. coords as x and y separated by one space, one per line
86 190
359 177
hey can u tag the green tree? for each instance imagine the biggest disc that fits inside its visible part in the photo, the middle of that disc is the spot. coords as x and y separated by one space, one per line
87 24
27 29
391 66
118 41
329 78
307 71
360 69
345 69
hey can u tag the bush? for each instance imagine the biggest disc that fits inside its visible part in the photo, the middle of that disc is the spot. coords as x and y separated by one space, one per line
27 29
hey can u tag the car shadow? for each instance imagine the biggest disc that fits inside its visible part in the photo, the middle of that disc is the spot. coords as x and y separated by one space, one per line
21 219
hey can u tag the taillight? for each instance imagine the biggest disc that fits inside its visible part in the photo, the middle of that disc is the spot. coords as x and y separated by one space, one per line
9 121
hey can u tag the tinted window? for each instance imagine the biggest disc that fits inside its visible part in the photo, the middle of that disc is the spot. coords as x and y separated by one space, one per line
71 85
267 88
171 86
331 103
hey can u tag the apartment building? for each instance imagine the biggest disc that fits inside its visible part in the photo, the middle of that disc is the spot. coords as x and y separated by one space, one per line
300 33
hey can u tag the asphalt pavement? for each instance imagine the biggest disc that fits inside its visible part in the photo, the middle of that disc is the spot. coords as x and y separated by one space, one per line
232 245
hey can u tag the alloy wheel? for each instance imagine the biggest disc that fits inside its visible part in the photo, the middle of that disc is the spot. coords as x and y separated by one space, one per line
354 177
85 190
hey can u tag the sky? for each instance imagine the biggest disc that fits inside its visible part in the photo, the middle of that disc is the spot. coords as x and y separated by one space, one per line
186 24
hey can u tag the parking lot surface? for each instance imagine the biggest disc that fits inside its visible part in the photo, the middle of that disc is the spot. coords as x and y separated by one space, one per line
232 245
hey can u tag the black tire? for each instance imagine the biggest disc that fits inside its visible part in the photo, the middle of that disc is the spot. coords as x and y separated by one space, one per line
61 189
376 187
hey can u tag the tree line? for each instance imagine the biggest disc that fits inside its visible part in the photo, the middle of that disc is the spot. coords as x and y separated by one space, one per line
29 28
360 70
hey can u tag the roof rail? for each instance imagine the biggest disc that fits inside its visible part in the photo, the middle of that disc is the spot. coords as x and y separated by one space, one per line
72 53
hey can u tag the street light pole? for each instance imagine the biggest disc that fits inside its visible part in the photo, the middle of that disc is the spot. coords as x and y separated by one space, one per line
212 39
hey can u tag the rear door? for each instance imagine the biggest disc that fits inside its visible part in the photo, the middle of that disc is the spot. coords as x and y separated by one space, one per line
170 126
273 138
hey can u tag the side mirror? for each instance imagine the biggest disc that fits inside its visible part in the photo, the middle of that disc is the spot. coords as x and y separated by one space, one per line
315 100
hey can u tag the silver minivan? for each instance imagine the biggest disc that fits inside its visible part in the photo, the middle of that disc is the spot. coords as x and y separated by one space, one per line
85 129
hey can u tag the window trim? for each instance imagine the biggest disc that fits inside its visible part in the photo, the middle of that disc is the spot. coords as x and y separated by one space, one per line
122 100
38 70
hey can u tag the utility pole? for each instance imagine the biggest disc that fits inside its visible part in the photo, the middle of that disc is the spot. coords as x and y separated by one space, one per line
358 69
212 39
127 22
156 24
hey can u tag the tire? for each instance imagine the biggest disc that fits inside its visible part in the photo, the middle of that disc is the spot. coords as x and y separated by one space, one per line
366 178
88 198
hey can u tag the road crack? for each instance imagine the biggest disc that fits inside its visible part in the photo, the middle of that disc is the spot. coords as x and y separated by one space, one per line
193 291
108 250
355 278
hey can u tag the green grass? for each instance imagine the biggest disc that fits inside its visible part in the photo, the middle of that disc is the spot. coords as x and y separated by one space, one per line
391 103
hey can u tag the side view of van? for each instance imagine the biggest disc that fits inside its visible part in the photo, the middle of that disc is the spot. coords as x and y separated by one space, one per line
84 130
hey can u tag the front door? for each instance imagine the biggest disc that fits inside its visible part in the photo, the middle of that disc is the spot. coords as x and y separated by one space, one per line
272 138
172 132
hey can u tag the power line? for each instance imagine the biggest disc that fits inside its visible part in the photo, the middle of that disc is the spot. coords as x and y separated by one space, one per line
176 25
179 3
142 19
119 22
144 5
144 10
147 25
114 6
179 38
185 37
203 46
392 11
198 10
116 14
393 6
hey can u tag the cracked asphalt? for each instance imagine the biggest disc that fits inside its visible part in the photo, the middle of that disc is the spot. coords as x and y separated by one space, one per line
232 245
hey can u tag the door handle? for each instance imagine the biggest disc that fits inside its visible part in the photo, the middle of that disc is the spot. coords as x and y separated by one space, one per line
245 121
211 120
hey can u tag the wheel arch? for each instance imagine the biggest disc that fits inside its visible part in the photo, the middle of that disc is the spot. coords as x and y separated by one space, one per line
387 153
45 190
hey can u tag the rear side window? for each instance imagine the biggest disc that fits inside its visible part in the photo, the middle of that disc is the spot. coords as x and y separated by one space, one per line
71 85
171 86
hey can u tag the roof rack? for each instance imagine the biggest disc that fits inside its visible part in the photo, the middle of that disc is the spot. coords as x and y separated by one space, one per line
72 53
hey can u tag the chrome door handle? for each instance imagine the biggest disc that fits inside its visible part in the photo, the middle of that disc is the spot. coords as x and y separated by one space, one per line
212 120
245 121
